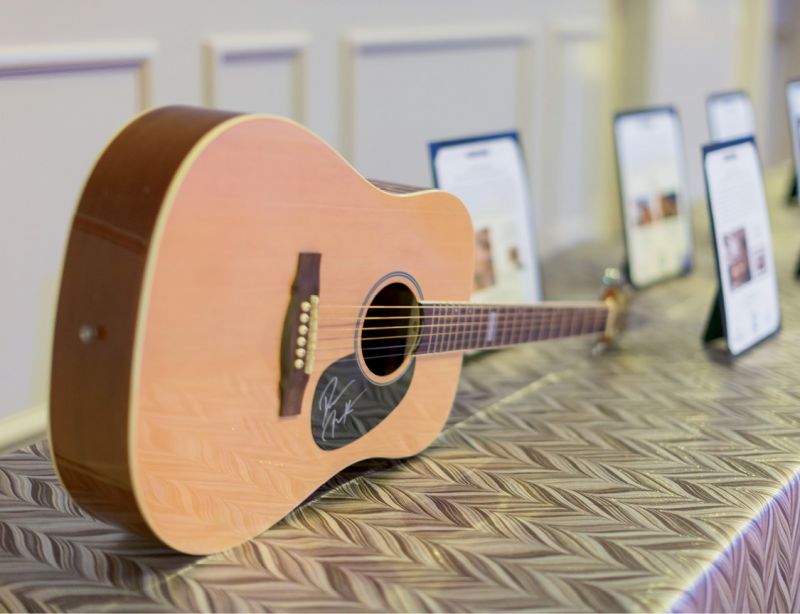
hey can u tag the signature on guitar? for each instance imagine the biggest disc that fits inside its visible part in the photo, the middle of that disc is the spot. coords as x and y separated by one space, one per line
327 405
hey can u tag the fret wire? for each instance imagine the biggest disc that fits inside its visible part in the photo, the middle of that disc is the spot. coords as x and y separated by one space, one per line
457 329
462 331
448 331
451 330
454 330
474 340
516 327
561 321
478 333
434 312
438 315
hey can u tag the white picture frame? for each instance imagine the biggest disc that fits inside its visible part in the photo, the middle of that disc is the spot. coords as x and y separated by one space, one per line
654 197
747 307
489 175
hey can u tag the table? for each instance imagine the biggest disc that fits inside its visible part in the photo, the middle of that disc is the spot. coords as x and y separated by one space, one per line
657 476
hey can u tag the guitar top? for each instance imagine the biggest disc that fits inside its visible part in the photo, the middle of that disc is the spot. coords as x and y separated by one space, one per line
242 315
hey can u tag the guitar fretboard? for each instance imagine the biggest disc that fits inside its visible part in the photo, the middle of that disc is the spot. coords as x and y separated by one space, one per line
448 327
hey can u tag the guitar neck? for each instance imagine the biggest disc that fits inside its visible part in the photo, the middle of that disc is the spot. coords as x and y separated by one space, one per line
448 327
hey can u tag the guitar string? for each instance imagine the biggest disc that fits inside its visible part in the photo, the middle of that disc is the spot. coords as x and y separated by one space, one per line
437 321
478 306
501 324
469 320
479 309
457 319
497 326
541 312
457 347
454 335
449 351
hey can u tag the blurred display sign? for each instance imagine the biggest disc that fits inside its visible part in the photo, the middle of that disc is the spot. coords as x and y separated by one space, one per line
746 310
488 174
730 116
655 204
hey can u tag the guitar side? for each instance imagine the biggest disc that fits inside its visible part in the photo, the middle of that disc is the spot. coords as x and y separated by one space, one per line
168 419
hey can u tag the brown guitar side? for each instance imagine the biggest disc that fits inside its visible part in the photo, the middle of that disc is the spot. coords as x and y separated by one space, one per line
101 283
164 394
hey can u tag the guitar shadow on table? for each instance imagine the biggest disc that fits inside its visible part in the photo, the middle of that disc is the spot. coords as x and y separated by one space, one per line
476 393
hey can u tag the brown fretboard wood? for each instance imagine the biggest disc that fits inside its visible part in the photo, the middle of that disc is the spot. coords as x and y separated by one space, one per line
448 327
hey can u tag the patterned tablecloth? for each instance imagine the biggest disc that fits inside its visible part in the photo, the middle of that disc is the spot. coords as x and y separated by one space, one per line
657 476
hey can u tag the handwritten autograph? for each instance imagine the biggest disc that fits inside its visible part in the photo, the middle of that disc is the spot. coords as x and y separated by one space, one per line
327 405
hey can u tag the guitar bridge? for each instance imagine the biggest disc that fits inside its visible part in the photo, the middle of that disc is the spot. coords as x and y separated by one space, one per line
299 339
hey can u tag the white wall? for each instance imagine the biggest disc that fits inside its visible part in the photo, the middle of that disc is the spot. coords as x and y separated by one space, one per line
376 79
680 51
688 50
782 65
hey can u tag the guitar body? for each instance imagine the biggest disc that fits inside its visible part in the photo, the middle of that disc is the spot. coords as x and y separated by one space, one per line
166 380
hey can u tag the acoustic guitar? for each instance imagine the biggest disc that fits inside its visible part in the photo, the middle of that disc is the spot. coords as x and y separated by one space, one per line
242 315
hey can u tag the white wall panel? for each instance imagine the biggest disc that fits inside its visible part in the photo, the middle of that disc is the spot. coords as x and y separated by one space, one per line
258 73
411 71
693 52
403 89
60 105
576 120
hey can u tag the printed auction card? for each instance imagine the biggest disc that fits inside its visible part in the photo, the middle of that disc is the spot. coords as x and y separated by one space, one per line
655 204
488 174
743 243
730 116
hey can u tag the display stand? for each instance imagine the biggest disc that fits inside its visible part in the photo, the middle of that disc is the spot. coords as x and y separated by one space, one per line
793 107
715 326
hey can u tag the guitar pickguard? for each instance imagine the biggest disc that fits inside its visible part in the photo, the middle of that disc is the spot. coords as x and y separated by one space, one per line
347 405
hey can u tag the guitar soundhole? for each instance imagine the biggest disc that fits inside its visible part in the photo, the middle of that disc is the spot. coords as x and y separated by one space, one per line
390 332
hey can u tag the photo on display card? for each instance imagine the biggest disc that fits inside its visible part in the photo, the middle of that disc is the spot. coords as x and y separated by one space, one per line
653 195
746 310
488 174
730 116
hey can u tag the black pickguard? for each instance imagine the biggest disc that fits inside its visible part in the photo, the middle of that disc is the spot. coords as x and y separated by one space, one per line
347 405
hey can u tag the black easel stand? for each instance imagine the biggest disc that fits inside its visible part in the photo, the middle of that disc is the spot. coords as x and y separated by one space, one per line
625 270
791 199
714 328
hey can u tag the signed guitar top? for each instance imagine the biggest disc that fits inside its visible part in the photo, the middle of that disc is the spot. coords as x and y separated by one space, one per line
242 315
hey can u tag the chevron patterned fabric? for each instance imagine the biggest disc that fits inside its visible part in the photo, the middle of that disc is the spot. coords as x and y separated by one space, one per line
658 476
